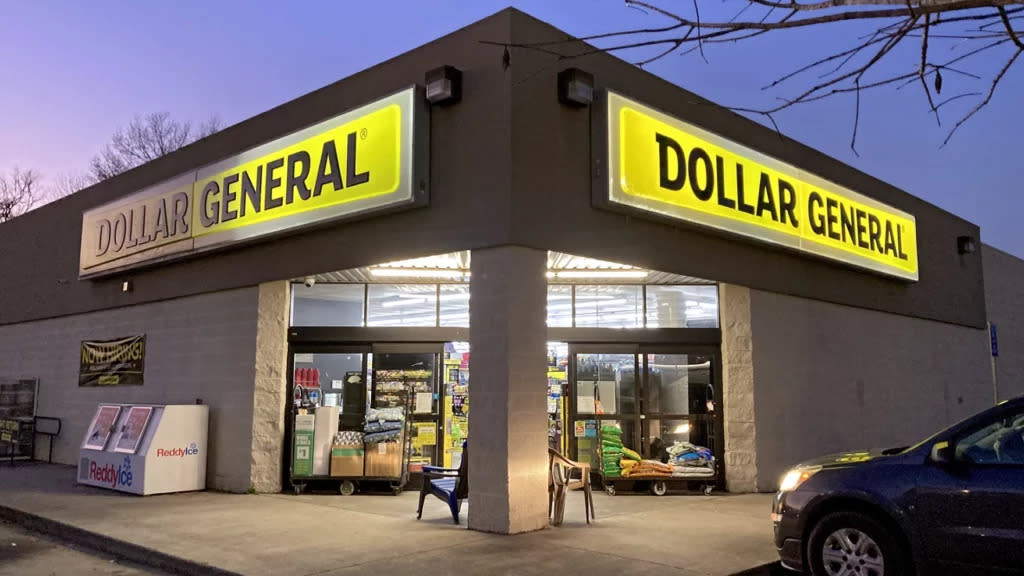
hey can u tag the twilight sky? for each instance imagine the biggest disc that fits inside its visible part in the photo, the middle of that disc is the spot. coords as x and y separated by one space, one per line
72 72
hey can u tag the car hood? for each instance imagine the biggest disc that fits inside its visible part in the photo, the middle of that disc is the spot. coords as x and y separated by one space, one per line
843 459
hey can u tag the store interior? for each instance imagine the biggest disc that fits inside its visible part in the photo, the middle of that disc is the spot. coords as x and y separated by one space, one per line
370 415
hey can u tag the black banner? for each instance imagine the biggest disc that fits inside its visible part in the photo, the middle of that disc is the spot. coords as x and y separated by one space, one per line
113 362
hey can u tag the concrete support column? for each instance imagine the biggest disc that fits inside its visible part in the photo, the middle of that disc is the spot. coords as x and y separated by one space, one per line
508 419
738 389
270 386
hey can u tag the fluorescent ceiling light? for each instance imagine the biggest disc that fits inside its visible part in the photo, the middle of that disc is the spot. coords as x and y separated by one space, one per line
601 274
417 273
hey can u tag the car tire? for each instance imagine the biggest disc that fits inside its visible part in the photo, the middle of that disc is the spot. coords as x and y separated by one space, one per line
844 540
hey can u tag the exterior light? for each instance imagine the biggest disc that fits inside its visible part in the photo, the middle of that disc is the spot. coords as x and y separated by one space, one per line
965 245
444 85
575 87
601 274
417 273
126 286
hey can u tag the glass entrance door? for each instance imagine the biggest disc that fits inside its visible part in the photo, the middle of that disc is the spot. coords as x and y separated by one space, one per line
408 379
604 407
659 403
680 425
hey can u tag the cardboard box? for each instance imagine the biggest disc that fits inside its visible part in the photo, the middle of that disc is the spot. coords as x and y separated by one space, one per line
384 459
346 460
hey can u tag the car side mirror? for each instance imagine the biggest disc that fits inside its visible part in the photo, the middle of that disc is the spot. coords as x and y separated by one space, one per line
942 453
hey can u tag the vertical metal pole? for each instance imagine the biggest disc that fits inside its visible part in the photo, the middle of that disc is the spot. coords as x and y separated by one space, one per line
995 366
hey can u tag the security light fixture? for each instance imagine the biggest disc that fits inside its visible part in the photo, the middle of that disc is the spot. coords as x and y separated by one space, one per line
444 85
575 87
965 245
126 286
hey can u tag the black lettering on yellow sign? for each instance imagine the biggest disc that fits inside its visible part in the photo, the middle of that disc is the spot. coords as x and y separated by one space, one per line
776 199
292 172
853 226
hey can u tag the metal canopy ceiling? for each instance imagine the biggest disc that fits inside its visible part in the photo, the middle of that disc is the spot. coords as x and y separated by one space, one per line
454 267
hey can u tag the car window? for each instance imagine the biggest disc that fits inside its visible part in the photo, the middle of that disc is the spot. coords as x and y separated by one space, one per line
1001 442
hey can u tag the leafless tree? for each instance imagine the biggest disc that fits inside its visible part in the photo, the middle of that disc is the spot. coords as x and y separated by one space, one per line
18 193
144 139
949 34
67 184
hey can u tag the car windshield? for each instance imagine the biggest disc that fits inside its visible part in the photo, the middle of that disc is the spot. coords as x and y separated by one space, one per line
966 421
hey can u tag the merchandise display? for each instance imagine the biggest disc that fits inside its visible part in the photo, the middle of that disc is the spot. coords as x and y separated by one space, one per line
691 461
383 441
456 406
611 450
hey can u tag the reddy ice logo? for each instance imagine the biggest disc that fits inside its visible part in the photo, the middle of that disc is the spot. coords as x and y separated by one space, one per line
120 476
190 450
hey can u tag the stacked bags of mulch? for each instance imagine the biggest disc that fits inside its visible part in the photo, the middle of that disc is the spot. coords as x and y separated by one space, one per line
611 450
651 468
629 461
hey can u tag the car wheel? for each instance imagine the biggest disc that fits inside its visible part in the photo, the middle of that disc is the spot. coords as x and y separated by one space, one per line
852 544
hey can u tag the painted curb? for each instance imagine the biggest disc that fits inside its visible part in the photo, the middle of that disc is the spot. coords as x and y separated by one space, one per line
92 540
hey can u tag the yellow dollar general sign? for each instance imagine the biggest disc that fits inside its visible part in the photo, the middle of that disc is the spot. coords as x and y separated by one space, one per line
365 160
663 165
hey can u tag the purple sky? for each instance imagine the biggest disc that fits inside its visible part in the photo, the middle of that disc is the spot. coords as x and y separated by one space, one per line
72 72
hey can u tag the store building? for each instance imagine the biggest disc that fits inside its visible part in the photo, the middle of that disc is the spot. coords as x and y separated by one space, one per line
634 256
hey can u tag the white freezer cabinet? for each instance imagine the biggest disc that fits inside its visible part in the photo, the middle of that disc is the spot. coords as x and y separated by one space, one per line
146 448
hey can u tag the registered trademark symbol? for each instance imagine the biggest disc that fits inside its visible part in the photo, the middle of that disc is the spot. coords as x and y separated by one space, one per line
363 133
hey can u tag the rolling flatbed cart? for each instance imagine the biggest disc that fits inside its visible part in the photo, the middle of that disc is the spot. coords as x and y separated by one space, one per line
346 485
658 485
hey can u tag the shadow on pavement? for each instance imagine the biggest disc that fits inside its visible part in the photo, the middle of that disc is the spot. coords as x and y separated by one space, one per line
773 569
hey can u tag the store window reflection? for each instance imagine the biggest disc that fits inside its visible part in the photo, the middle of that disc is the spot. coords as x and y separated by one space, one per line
327 305
401 305
605 384
559 306
454 305
609 306
682 307
679 384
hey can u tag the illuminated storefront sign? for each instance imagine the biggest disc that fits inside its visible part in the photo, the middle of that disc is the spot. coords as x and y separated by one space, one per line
665 166
365 160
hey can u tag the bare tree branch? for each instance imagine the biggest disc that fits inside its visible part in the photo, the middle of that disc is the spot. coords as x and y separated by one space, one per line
19 193
967 28
146 139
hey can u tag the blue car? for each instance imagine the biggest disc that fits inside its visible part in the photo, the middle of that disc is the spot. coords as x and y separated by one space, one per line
953 504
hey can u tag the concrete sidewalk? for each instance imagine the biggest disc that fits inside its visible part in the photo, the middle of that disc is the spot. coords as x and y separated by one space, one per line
323 535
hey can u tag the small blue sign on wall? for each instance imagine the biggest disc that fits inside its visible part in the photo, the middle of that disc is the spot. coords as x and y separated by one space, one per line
995 339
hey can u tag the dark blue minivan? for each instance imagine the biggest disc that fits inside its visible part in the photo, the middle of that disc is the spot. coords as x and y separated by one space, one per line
953 504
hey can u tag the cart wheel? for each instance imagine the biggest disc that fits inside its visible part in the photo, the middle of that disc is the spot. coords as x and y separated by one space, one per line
659 488
707 489
347 488
609 489
297 488
396 489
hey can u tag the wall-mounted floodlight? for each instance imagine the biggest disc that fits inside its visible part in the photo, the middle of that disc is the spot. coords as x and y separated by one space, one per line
575 87
444 85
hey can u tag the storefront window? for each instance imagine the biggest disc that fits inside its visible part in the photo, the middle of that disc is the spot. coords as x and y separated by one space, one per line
679 384
605 383
454 301
327 305
609 306
402 305
559 305
682 306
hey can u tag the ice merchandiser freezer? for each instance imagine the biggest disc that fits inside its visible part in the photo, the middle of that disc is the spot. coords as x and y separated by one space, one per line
145 448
